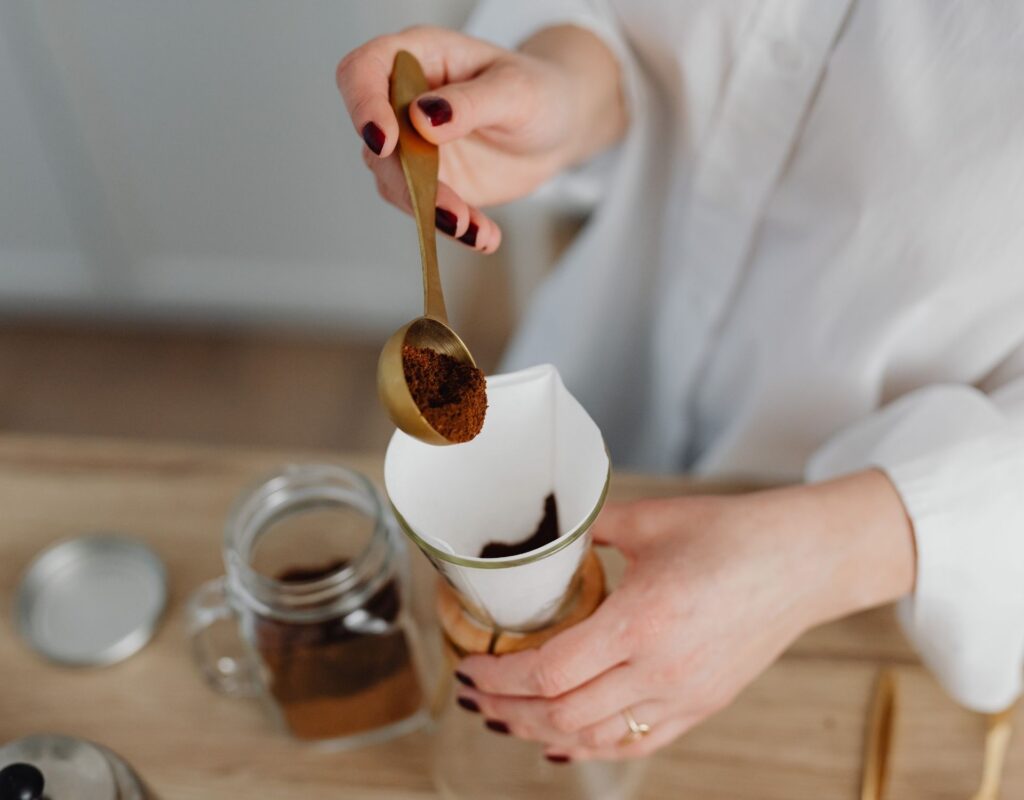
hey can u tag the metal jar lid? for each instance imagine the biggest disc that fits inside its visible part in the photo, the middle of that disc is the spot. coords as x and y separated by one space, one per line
64 768
92 600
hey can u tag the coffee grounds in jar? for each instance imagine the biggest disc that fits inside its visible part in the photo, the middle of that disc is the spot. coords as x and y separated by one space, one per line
330 681
547 532
450 394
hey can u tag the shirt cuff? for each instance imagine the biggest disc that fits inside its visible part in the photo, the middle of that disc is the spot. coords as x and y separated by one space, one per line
966 616
957 463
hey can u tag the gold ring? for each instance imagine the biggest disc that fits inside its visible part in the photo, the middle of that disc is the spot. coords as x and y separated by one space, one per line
637 730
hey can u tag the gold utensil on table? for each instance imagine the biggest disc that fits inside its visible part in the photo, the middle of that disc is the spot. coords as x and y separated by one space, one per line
997 741
878 745
420 164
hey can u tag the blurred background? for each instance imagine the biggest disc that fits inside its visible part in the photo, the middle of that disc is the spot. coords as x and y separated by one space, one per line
190 245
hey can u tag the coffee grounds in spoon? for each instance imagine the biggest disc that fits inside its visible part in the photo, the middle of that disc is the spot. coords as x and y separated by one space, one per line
547 532
451 395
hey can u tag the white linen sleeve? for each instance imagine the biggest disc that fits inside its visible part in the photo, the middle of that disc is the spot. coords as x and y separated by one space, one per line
508 24
956 456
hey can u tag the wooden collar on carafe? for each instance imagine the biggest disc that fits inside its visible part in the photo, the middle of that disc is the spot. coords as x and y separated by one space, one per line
464 635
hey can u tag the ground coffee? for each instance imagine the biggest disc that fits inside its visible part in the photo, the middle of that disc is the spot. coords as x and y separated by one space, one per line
547 532
331 681
451 395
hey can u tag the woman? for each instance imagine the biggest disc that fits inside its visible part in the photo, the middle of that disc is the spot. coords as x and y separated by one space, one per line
807 262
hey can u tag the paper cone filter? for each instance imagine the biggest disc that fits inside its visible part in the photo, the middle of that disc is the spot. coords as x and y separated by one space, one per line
536 440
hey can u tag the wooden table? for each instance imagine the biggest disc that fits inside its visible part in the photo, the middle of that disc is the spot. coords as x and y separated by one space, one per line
795 734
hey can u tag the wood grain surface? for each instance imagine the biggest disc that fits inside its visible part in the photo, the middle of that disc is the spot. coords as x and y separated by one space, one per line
795 734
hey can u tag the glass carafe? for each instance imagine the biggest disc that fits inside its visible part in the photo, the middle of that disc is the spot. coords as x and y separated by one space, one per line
538 447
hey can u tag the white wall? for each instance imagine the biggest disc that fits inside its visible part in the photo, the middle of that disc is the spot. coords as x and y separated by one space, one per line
192 158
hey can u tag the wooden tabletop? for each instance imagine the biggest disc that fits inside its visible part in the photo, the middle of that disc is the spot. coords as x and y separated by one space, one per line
795 734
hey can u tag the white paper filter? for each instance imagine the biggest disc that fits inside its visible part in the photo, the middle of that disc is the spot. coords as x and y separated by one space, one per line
537 439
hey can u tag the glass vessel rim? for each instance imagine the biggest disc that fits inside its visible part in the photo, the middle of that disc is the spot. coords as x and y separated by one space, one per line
252 509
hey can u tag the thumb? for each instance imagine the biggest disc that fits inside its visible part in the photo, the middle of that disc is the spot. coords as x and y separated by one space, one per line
616 526
457 109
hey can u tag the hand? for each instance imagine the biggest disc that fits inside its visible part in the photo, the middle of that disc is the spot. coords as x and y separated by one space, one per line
715 589
507 120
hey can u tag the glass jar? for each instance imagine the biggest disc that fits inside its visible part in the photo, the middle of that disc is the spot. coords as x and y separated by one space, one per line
315 592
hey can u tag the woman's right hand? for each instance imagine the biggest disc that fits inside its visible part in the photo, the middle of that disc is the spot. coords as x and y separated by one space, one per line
508 120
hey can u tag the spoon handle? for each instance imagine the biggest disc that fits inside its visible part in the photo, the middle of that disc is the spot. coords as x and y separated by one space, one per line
419 163
881 727
997 741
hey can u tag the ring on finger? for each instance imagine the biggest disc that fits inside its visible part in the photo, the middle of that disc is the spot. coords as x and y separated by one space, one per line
637 730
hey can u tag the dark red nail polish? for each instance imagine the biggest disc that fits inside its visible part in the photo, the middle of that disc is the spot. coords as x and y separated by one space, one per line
462 677
374 137
558 759
437 109
469 237
468 703
497 726
446 222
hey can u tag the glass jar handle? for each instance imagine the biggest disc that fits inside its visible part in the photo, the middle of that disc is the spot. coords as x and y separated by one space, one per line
231 674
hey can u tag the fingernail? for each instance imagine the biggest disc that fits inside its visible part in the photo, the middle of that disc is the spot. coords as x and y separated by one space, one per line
437 109
497 726
462 677
468 703
558 759
374 137
446 222
469 237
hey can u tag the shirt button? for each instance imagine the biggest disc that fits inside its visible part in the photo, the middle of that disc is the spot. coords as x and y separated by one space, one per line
787 55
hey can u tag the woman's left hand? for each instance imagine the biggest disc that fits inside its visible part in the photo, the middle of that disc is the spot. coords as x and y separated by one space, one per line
715 589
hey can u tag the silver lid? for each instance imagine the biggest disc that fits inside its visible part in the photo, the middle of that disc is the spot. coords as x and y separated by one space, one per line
92 600
74 769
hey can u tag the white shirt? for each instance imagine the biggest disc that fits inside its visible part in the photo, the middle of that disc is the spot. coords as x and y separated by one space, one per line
807 259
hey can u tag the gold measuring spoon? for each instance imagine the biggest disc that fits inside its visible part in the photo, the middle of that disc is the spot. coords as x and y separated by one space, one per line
419 163
878 746
997 742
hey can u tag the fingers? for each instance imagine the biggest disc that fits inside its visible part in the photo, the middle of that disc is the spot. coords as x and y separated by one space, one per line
663 732
611 732
363 76
565 662
454 217
363 80
616 526
496 98
573 719
482 233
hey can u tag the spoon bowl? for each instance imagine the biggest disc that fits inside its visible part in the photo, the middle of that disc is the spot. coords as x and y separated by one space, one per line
428 333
